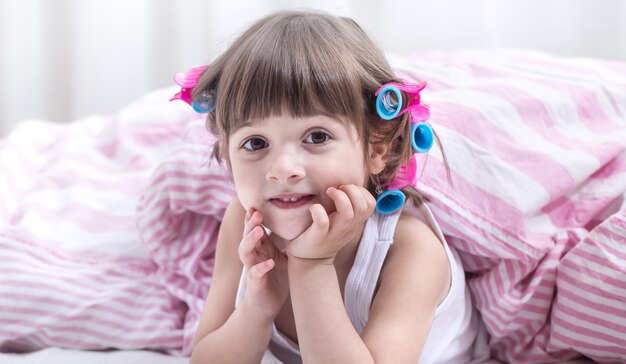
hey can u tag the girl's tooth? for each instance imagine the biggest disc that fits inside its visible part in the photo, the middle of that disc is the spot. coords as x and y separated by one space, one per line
292 199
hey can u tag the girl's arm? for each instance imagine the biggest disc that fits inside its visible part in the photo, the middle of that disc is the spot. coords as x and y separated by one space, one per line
325 333
226 333
414 280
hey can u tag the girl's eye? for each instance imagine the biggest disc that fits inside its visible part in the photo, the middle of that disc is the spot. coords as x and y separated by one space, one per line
317 137
254 144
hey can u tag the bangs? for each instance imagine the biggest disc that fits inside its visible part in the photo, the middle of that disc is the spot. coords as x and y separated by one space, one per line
290 67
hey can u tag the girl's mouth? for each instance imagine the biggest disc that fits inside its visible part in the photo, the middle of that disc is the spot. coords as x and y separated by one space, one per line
290 201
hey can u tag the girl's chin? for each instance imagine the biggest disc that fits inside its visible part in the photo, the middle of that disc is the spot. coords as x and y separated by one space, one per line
288 234
288 230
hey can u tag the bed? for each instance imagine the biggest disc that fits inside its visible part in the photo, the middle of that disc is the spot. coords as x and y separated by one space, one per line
108 223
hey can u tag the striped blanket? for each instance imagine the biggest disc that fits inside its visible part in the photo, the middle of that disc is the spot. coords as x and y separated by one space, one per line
108 224
73 270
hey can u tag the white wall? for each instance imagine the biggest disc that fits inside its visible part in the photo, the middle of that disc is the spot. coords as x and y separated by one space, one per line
65 59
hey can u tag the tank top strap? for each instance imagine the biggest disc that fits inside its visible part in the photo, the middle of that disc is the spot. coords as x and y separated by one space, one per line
361 281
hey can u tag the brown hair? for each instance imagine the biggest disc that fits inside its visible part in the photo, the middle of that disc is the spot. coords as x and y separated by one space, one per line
302 64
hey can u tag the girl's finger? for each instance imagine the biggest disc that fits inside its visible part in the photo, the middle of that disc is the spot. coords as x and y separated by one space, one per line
357 198
257 271
246 223
321 223
253 219
248 246
371 200
342 203
253 222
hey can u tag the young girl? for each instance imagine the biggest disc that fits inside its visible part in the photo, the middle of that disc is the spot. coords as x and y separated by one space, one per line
306 269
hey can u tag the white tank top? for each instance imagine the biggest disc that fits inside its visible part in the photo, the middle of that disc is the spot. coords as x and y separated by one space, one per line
455 325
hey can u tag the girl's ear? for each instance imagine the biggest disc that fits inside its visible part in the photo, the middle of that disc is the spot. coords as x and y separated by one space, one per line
379 154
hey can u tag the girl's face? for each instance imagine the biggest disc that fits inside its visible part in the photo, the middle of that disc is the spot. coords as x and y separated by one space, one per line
283 165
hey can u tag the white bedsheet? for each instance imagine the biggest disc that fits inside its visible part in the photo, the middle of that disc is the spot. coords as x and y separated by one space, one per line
64 356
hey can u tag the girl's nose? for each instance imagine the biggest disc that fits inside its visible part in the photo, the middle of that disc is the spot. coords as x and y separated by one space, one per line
285 166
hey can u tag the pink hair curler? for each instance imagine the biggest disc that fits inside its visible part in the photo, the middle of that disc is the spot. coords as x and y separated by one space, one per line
187 81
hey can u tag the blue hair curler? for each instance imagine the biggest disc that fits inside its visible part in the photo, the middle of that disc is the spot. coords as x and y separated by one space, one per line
203 107
390 201
421 137
386 107
205 103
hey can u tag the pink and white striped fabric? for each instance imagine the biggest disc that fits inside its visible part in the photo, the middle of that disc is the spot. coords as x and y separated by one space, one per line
537 152
73 273
108 224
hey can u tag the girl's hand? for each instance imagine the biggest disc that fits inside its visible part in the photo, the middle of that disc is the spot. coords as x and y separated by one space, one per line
267 281
330 232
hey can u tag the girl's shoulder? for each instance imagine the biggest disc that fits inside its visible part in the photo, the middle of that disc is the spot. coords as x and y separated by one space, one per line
417 252
417 231
415 236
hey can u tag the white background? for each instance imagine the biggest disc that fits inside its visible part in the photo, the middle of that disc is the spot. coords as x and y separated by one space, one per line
65 59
